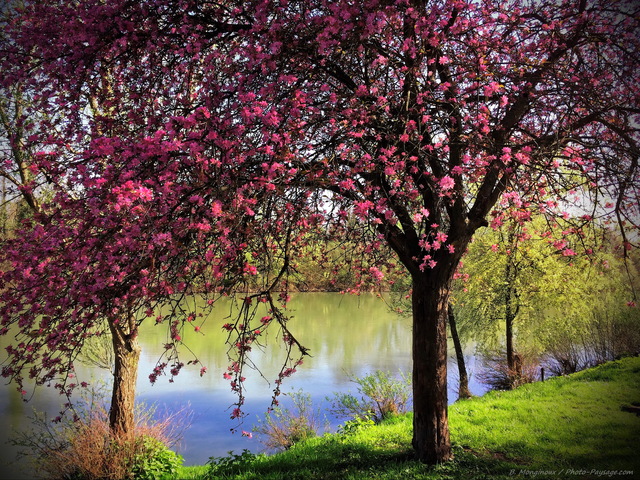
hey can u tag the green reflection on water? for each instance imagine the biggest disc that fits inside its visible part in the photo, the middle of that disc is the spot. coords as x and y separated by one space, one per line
345 335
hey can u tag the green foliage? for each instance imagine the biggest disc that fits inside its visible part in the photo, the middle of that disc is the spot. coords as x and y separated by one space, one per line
232 464
380 395
283 427
350 427
571 310
153 459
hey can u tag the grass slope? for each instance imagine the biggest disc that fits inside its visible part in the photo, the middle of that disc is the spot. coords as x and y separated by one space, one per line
568 427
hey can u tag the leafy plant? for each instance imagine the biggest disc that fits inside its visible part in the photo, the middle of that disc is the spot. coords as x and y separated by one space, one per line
231 464
381 395
283 428
350 427
153 459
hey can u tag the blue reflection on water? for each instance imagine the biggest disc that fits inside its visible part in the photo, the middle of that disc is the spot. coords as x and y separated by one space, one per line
348 337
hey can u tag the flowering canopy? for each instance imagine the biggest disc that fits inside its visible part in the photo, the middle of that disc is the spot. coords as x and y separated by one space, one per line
190 144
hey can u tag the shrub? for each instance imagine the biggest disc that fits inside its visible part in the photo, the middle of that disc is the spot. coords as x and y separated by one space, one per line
604 337
153 459
85 448
351 427
232 464
381 395
498 376
282 428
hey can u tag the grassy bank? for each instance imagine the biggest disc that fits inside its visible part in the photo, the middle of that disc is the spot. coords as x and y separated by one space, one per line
569 427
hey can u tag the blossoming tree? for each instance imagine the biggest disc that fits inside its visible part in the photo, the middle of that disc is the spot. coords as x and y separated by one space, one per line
193 143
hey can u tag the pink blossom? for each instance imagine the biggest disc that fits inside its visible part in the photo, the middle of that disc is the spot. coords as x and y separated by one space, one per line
216 208
250 269
361 209
376 274
447 183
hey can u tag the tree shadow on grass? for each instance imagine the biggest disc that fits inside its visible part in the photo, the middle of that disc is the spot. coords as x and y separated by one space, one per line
338 460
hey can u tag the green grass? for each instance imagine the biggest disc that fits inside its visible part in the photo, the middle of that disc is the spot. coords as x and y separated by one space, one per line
569 427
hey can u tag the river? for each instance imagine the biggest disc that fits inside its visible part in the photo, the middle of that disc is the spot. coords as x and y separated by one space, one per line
347 335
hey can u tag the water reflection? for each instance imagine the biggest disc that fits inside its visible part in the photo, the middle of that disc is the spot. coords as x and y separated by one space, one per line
346 335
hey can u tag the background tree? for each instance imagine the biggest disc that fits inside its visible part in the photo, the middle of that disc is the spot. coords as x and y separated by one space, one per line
527 291
400 124
18 182
463 376
507 268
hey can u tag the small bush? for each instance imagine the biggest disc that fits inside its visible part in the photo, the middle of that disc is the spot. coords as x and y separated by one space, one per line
564 357
283 428
498 376
381 395
85 447
153 459
232 464
350 427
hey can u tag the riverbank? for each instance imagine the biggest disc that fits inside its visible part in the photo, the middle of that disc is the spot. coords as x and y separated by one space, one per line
567 427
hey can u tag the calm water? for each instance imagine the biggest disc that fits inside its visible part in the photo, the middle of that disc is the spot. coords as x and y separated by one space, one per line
347 336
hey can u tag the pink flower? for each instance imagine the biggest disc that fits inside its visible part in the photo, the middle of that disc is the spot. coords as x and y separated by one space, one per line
247 434
447 183
376 274
250 269
491 88
216 208
361 209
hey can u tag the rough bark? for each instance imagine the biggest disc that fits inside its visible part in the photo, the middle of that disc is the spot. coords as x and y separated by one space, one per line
430 422
463 386
126 351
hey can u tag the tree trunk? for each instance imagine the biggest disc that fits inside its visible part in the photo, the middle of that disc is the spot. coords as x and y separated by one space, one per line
509 334
510 310
430 423
126 351
463 387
